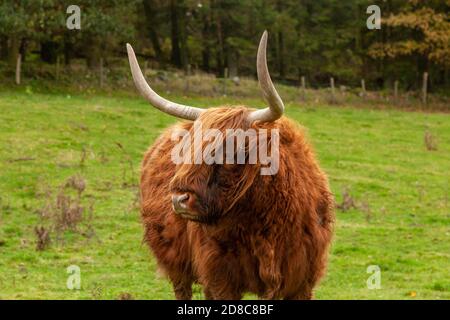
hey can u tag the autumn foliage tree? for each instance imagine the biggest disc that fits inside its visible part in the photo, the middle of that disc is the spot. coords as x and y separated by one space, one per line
419 31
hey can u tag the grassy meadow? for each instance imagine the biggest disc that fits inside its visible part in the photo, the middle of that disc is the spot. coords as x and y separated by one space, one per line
400 220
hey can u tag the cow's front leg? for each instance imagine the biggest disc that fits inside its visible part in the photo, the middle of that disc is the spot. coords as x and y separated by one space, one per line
220 276
221 280
182 288
222 293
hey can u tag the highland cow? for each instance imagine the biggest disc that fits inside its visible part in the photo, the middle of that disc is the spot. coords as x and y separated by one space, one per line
226 226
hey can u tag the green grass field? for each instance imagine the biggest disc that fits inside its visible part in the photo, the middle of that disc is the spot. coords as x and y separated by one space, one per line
401 221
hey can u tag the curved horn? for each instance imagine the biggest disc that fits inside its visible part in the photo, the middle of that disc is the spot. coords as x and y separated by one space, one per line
175 109
270 94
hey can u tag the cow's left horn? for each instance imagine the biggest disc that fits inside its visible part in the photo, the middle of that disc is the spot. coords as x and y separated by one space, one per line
270 94
172 108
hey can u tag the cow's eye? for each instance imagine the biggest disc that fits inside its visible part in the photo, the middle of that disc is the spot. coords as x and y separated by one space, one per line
213 177
219 177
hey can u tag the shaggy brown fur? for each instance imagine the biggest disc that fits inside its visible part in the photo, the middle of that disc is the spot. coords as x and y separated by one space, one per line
268 235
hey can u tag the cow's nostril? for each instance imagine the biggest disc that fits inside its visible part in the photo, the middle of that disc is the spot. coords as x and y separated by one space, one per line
183 198
179 201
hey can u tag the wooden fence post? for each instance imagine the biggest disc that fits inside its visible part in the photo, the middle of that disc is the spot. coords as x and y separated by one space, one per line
333 91
101 72
303 84
57 67
396 90
225 77
188 73
363 88
18 68
425 88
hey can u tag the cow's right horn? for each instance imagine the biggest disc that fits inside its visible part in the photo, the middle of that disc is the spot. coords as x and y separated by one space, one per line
172 108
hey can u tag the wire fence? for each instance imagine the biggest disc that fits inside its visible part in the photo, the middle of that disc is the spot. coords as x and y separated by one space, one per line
115 75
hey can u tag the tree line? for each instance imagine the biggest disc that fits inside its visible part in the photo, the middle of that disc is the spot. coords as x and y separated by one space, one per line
316 39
